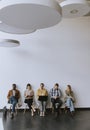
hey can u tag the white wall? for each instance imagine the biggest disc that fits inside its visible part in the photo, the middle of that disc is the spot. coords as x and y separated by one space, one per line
58 54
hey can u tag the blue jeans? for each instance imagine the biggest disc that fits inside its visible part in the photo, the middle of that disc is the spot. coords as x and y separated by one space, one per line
13 101
69 104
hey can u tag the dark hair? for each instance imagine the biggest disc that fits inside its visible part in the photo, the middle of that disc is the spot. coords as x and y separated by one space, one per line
42 84
69 86
28 84
56 84
14 85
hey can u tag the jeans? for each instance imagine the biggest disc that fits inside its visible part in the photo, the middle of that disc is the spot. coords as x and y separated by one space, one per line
42 106
69 104
13 101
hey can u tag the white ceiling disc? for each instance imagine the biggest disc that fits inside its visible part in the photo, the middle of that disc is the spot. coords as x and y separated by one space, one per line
9 43
74 8
14 30
29 14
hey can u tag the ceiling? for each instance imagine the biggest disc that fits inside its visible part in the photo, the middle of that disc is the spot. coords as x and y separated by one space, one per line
86 0
20 37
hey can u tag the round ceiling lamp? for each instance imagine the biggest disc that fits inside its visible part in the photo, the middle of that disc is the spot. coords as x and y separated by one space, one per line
4 27
25 16
9 43
74 8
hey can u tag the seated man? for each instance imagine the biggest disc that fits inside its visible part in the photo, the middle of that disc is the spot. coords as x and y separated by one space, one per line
13 96
55 94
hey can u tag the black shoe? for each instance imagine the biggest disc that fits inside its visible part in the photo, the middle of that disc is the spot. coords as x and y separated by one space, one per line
12 115
72 114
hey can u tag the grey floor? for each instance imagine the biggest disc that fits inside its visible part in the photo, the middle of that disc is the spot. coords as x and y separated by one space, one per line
81 121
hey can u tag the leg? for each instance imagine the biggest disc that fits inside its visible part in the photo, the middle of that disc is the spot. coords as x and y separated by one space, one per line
13 101
44 108
58 104
14 105
53 103
69 104
40 107
29 102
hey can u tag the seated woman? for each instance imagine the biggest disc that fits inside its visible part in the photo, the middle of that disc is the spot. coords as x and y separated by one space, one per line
69 100
29 94
42 95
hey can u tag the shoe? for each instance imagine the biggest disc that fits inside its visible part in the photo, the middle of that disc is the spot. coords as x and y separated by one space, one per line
12 115
41 114
72 113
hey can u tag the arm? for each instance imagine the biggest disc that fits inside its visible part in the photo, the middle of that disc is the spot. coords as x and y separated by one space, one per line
32 93
25 94
17 94
72 96
9 95
46 93
51 93
37 94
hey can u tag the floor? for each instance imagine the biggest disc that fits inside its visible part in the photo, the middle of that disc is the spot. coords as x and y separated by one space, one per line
81 121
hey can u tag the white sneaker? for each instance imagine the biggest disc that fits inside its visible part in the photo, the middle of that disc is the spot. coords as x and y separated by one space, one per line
41 114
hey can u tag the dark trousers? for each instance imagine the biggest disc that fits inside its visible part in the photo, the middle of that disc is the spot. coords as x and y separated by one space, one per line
29 102
57 103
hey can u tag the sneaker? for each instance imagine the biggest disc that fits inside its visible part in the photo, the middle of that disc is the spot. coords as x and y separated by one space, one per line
41 114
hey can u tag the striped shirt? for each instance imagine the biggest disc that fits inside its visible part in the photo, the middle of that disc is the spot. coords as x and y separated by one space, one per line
55 93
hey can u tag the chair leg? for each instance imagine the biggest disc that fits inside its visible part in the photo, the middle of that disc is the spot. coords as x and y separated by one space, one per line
16 110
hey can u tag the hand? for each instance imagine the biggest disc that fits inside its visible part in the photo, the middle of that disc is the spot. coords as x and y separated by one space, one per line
55 97
27 96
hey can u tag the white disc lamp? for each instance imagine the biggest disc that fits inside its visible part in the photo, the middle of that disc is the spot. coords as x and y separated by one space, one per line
74 8
11 29
9 43
26 16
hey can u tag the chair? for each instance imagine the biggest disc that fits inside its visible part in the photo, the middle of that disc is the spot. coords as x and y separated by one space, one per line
9 107
33 108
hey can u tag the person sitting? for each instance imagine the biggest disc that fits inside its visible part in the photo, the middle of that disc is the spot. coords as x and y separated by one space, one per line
55 94
69 100
42 95
29 94
13 96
